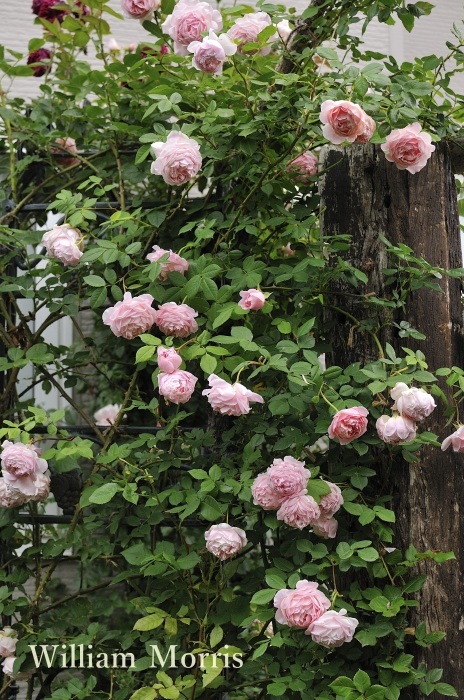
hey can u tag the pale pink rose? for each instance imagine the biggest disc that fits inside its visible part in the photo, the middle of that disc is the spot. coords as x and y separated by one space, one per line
263 494
252 300
7 665
299 510
11 497
342 120
21 464
409 148
348 424
301 606
332 629
168 359
395 429
131 316
456 439
284 30
177 320
304 166
112 45
331 502
230 399
245 30
224 541
174 263
178 386
368 132
139 9
288 250
69 144
188 21
42 485
64 243
107 414
412 403
177 160
288 476
210 53
325 527
8 641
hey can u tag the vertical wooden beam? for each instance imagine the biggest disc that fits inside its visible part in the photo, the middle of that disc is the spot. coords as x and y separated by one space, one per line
364 195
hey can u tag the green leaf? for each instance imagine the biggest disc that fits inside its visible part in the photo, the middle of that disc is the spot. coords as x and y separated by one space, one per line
344 550
144 694
98 297
262 597
208 364
274 581
94 281
144 354
216 636
368 554
317 488
150 622
361 681
105 493
211 667
446 689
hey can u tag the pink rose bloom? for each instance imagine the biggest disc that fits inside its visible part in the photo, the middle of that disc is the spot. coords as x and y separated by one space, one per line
304 166
331 502
301 606
113 45
21 464
230 399
177 160
139 9
177 320
288 476
168 359
210 53
412 403
284 30
342 120
456 439
177 386
69 144
188 21
64 243
288 250
369 128
107 414
174 263
395 429
7 665
131 316
348 424
8 641
252 299
42 485
264 495
332 629
224 541
299 510
325 527
409 148
11 497
245 30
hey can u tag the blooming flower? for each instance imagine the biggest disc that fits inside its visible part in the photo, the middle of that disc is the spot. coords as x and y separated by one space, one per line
177 320
11 497
8 641
20 465
288 476
41 57
325 527
332 629
245 30
348 424
168 359
252 299
409 148
69 145
210 54
301 606
304 166
177 160
299 510
368 132
42 488
264 495
177 386
139 9
107 414
7 665
395 429
174 263
230 399
64 243
456 440
224 541
131 316
342 121
412 403
331 502
188 21
284 30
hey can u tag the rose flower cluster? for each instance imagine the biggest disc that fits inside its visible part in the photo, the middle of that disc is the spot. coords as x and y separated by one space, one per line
306 607
24 475
8 641
283 487
412 405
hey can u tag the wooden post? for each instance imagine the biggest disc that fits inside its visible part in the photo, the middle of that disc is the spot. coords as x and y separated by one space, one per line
364 195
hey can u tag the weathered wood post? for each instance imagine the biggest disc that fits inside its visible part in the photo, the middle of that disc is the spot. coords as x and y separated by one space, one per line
364 195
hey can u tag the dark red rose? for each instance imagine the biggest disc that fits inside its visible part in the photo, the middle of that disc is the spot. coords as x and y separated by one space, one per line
37 57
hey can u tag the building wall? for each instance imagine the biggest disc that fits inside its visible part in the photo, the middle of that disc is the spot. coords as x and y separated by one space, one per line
429 35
